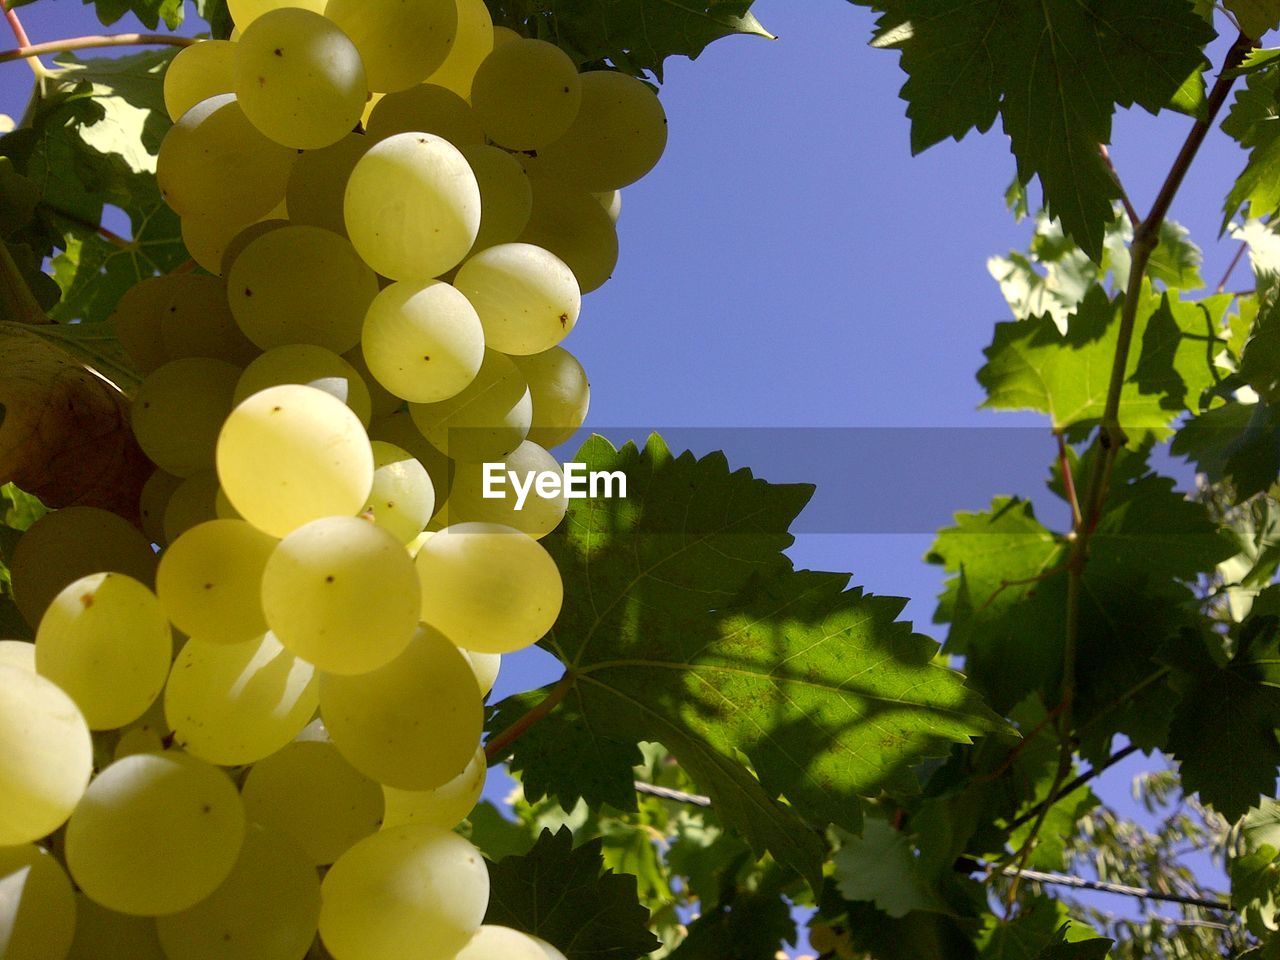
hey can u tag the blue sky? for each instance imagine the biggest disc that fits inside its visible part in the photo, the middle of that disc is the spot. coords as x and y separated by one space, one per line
790 265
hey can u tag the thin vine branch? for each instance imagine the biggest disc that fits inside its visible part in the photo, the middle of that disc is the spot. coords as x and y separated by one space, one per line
1124 195
1231 267
26 51
666 793
1073 785
496 748
1123 889
20 35
109 235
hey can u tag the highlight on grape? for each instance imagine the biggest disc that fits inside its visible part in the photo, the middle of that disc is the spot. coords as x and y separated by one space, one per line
253 728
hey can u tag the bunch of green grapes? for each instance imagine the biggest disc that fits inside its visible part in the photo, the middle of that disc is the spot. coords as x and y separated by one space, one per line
397 208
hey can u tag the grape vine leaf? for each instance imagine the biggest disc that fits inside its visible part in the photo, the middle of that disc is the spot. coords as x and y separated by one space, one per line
881 866
1236 442
564 896
150 12
93 142
1255 17
749 925
684 623
1041 926
1251 123
1054 72
1223 733
65 436
636 36
1031 365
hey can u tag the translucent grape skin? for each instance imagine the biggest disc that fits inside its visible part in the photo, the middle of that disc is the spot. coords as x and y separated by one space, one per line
193 502
268 907
399 43
488 588
402 888
423 341
244 12
178 411
319 180
487 420
137 320
209 581
560 393
299 78
486 667
18 653
506 198
538 515
571 224
195 321
308 364
292 454
67 544
527 298
412 724
46 756
428 108
412 207
526 94
403 499
103 934
341 593
214 162
155 834
300 284
308 791
233 704
106 642
472 43
37 908
198 72
445 807
492 942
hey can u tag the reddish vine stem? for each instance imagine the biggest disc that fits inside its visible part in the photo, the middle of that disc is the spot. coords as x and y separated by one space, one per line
497 746
1072 786
1124 196
109 235
15 25
29 50
1231 267
1069 482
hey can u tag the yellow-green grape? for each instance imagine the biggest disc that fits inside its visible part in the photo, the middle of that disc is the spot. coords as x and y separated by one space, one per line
526 94
147 734
319 180
178 411
399 429
268 908
412 724
299 78
506 198
206 236
210 581
340 592
526 297
37 908
244 12
67 544
504 35
445 807
235 703
403 499
382 402
492 942
486 667
399 889
292 454
152 502
526 509
472 43
46 756
155 833
103 934
106 642
313 366
549 952
487 420
18 653
195 321
618 136
560 392
611 200
300 284
193 502
412 206
423 341
488 587
198 72
245 237
571 224
137 321
307 791
400 43
214 161
427 108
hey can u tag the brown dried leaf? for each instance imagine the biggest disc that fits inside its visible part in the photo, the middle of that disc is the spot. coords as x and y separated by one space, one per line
65 433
